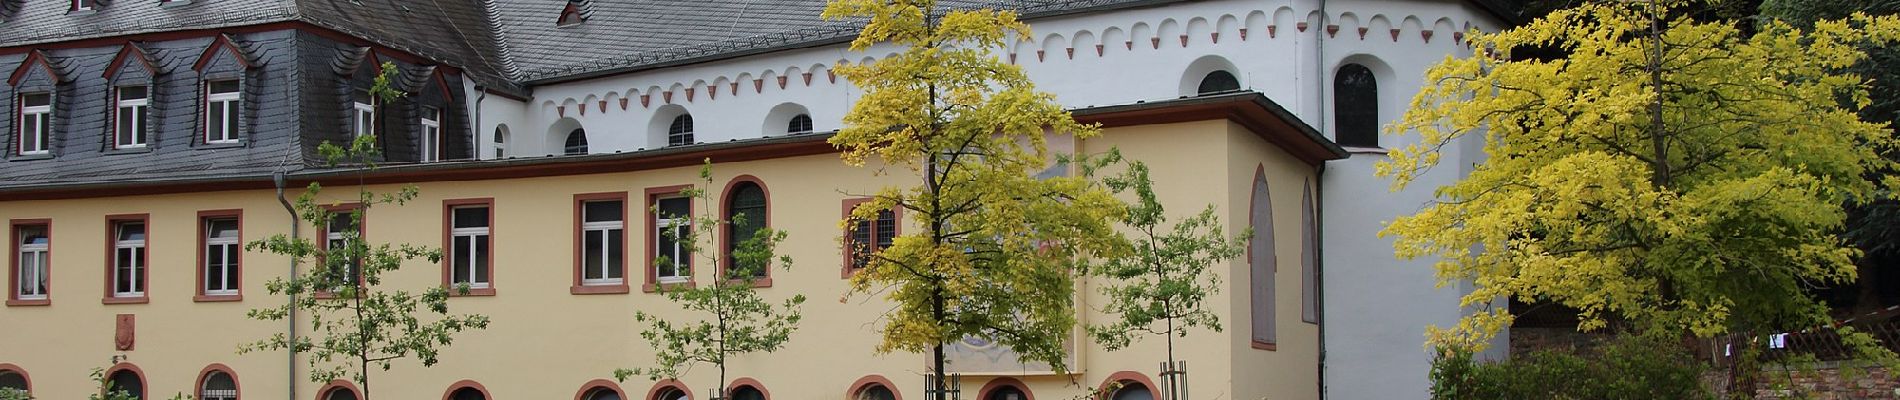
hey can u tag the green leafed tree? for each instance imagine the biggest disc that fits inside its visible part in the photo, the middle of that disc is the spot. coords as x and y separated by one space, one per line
734 319
997 249
1161 287
1666 176
357 323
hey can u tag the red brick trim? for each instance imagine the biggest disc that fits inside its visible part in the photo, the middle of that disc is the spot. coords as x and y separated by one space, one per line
199 295
653 195
897 216
1268 346
128 366
13 264
725 233
448 244
590 386
675 384
1125 377
1002 381
580 245
466 384
145 282
754 383
16 370
198 387
338 384
865 383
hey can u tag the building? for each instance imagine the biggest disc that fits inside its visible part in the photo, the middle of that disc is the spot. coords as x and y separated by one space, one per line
146 138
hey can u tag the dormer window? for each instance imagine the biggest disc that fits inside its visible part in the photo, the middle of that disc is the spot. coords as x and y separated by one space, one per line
35 126
85 5
130 131
571 15
431 134
363 115
221 111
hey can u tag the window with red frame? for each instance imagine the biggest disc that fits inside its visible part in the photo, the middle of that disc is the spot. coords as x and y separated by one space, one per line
867 237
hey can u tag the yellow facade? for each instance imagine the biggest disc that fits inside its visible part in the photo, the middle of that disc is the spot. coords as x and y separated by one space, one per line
546 342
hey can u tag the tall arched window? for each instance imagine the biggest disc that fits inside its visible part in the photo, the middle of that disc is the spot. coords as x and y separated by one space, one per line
129 381
1356 106
1262 264
218 385
14 379
745 208
799 124
680 132
1217 82
669 393
576 142
501 141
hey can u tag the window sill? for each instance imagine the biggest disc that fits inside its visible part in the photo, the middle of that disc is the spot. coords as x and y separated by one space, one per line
1366 150
217 298
765 282
667 286
29 303
128 150
599 289
220 145
472 292
31 157
1266 346
125 300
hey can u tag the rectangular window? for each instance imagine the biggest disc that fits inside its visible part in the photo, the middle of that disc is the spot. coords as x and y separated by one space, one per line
866 237
221 111
223 247
673 259
469 260
601 243
128 258
130 132
342 229
36 120
83 5
32 248
431 134
363 116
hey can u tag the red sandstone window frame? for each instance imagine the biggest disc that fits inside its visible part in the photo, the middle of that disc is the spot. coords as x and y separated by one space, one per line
338 384
599 384
113 222
362 233
748 382
145 386
580 246
24 377
203 294
1001 382
663 385
652 235
849 250
13 269
198 388
726 244
448 245
1118 379
865 383
449 394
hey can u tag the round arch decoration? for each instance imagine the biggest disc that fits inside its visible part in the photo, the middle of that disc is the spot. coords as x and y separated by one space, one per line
466 384
851 392
1002 382
126 366
198 387
663 385
1125 377
754 383
339 384
597 384
16 370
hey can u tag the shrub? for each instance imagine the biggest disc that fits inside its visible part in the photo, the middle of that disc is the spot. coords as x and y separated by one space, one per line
1627 367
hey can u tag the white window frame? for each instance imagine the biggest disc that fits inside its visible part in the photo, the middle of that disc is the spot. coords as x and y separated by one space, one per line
230 102
681 265
44 115
37 253
431 134
135 109
363 118
220 245
331 235
82 5
139 261
463 240
606 229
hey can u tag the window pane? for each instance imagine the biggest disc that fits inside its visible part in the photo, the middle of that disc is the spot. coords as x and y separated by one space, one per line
138 125
341 222
471 217
32 235
602 211
214 268
30 134
616 253
123 273
593 252
231 263
667 248
131 92
481 259
223 86
125 132
223 228
36 100
216 122
461 258
886 228
676 207
132 231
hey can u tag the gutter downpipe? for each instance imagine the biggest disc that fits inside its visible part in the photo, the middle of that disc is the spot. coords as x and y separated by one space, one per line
295 234
1319 221
481 93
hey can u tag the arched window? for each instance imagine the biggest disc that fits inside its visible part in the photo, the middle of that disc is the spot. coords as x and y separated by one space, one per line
1260 257
1217 82
680 132
340 394
1004 388
670 393
501 141
1356 106
875 391
799 124
467 394
1007 393
602 394
745 209
576 142
128 381
217 385
339 390
1133 391
747 392
14 379
600 389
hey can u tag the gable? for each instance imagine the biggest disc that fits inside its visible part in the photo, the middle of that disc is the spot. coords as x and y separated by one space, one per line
132 62
36 66
223 50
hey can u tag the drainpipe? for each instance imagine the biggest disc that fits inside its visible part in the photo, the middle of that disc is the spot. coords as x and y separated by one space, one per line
1319 280
481 93
295 231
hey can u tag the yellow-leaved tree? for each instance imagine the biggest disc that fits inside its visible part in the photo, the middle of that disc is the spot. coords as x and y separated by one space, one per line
997 247
1664 176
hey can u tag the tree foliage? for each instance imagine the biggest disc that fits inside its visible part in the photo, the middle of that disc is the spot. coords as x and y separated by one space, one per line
1165 279
356 322
1627 367
1699 195
736 319
998 248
